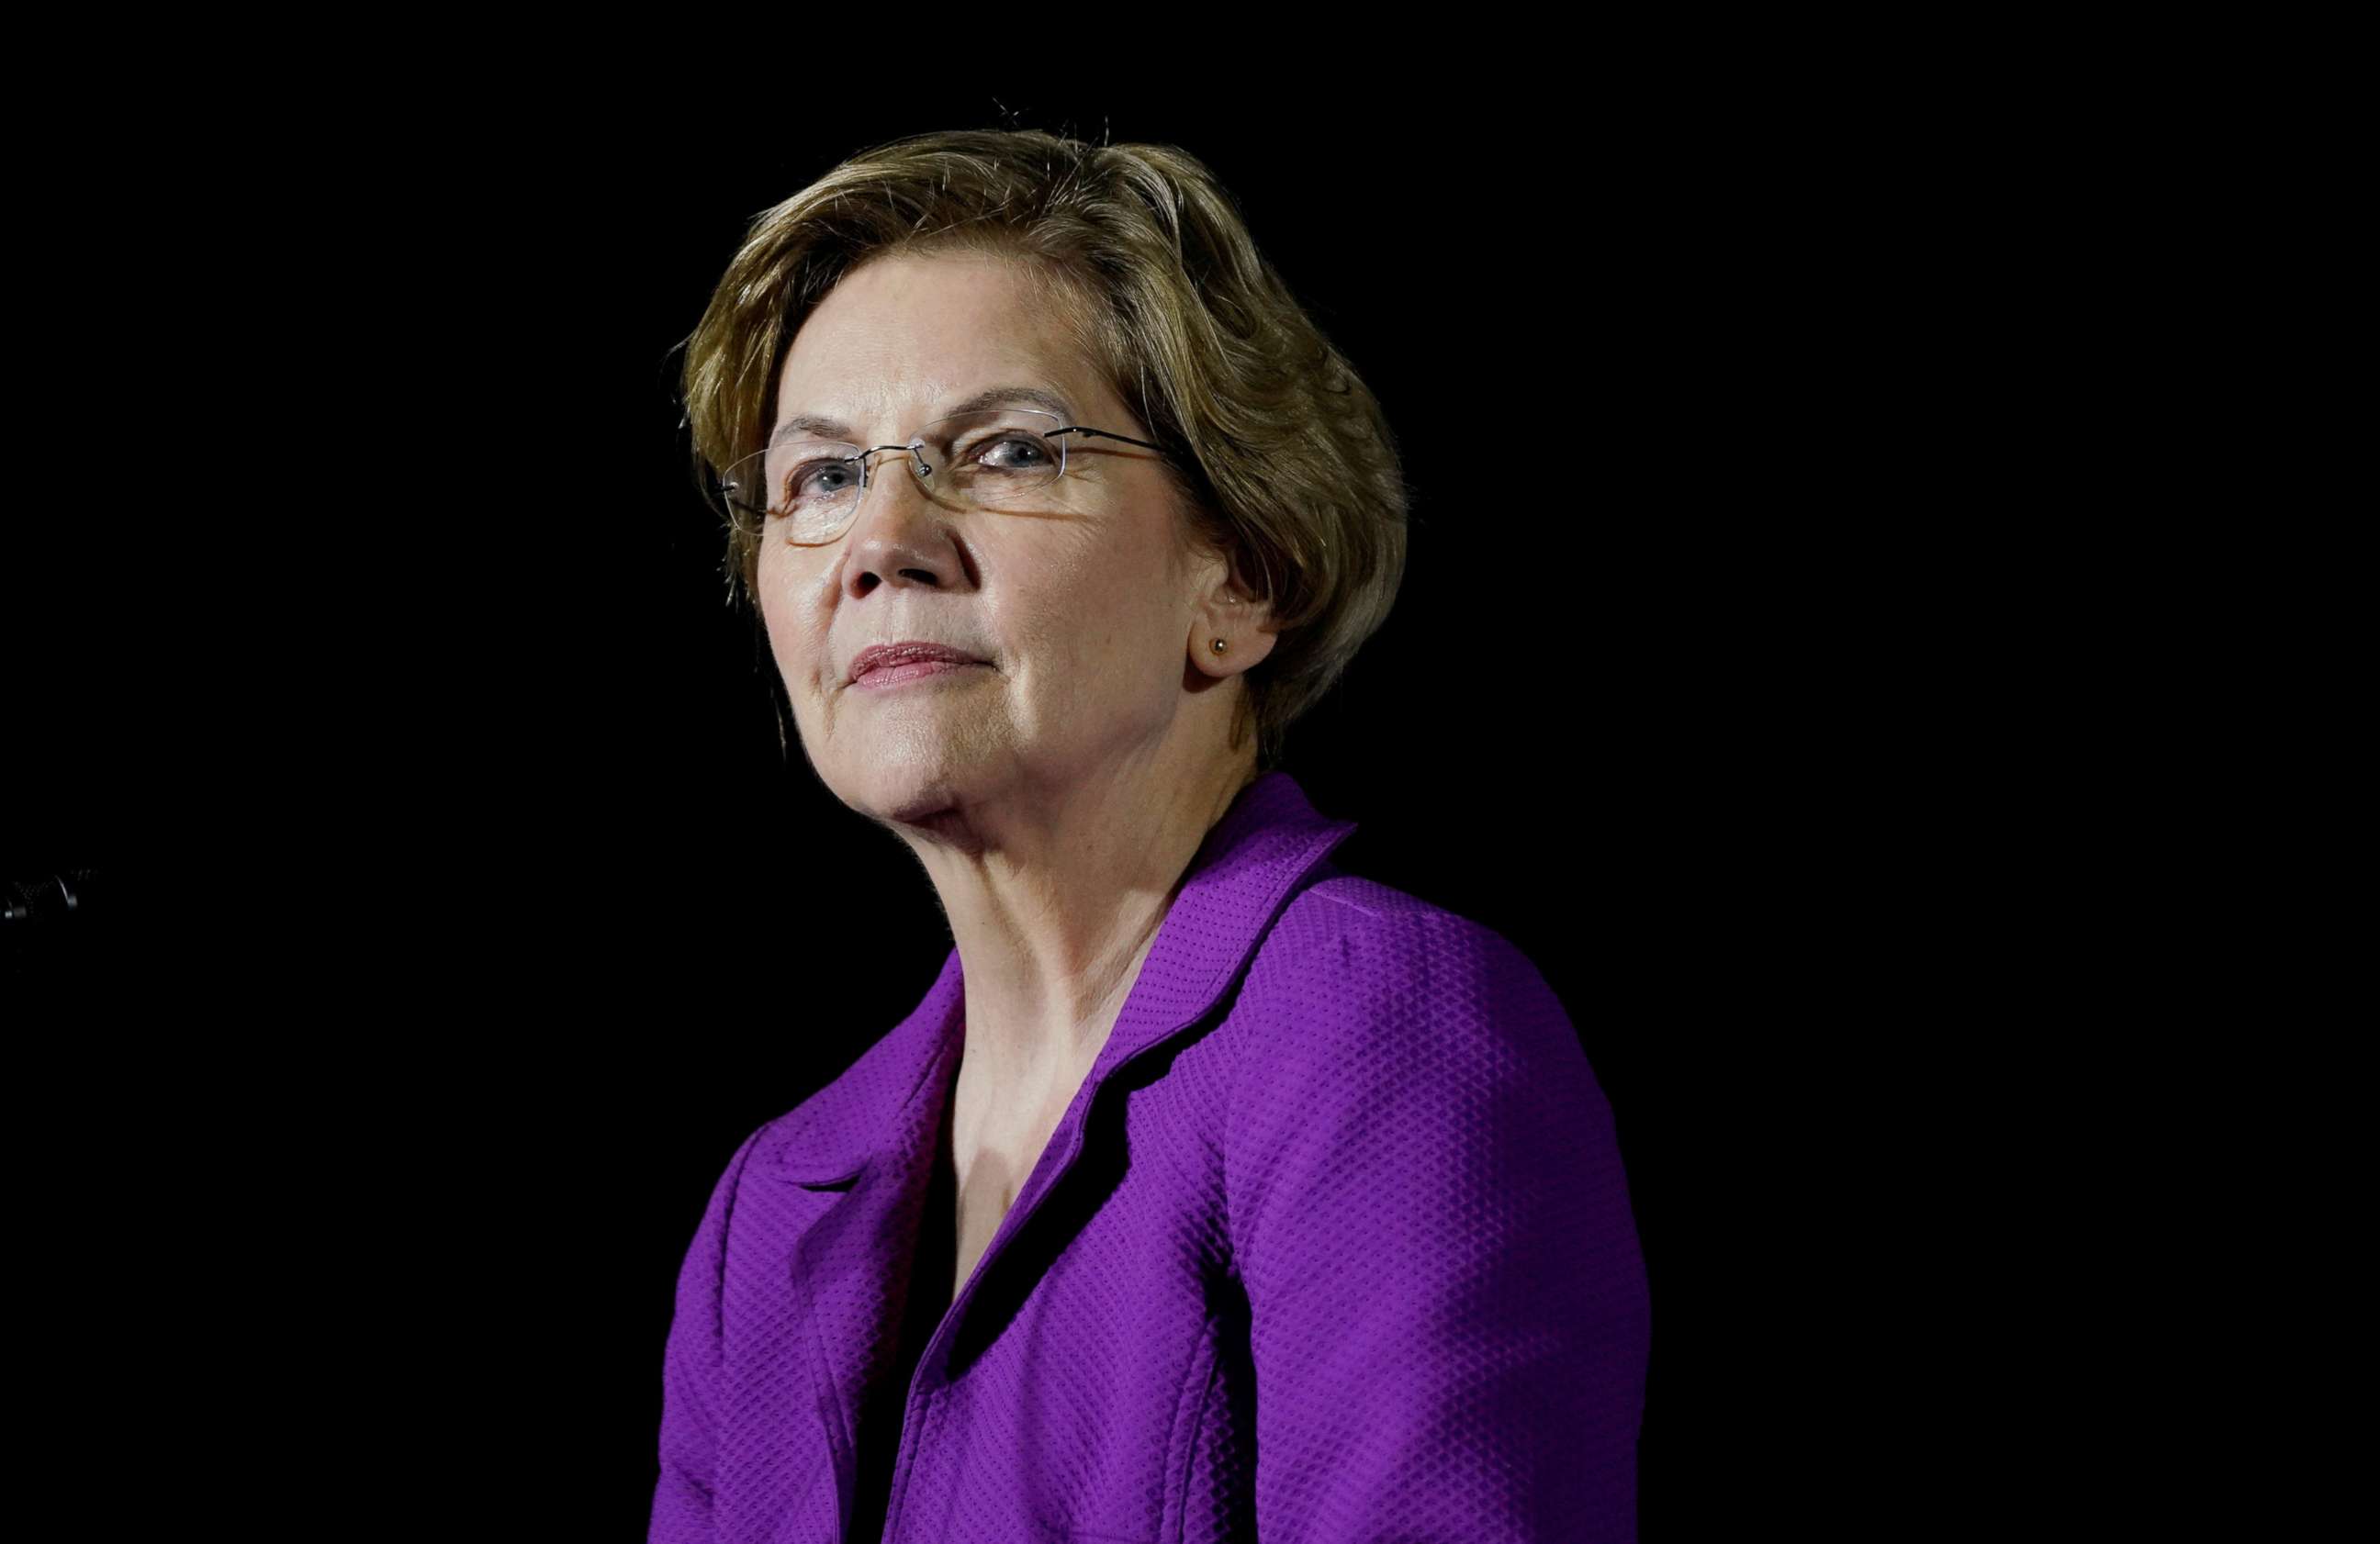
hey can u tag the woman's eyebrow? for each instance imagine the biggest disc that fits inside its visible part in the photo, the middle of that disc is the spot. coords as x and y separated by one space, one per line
991 396
808 423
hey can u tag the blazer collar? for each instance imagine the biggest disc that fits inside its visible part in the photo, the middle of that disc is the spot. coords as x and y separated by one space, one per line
1249 864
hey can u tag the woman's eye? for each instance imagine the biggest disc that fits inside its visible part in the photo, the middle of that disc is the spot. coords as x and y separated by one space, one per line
823 478
1014 453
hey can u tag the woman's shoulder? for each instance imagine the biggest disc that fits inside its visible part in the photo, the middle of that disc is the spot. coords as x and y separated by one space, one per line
1361 964
1371 1016
1342 921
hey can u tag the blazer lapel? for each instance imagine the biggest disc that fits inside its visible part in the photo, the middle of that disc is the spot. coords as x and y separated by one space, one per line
858 1161
860 1154
1251 862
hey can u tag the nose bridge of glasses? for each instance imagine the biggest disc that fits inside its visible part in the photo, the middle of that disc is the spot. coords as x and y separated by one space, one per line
916 453
921 481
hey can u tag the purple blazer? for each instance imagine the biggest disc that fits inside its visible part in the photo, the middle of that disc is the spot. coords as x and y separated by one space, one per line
1333 1245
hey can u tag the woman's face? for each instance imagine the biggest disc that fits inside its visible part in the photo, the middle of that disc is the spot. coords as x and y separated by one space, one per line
1083 607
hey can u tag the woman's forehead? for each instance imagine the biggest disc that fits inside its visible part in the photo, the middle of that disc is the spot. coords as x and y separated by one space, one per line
929 336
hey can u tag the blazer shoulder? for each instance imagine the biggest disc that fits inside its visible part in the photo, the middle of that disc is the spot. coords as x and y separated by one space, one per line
1347 920
1351 956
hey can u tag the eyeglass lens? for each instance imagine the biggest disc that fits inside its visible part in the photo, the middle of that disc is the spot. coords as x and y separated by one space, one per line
993 458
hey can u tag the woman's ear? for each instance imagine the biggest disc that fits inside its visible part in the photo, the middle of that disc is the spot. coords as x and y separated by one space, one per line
1234 628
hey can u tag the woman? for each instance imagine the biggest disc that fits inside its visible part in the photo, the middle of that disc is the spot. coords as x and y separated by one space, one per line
1211 1193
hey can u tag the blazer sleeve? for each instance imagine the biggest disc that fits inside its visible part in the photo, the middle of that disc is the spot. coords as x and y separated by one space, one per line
1449 1315
690 1364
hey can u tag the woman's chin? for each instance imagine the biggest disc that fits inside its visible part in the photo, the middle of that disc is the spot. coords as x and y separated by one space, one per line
926 791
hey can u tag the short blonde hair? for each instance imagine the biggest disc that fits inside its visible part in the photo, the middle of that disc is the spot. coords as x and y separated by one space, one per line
1283 456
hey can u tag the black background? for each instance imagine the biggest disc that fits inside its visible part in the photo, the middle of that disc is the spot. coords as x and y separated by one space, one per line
459 913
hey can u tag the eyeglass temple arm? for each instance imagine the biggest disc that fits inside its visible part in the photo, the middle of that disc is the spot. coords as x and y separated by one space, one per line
1078 429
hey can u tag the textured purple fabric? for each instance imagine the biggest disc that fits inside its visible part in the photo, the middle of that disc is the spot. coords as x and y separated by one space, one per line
1333 1245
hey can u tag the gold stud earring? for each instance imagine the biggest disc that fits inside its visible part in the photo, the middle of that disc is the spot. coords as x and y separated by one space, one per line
1220 645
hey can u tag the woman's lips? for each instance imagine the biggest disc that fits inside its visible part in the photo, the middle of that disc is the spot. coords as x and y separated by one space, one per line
907 651
900 671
